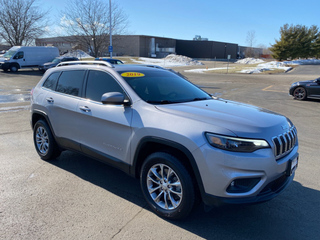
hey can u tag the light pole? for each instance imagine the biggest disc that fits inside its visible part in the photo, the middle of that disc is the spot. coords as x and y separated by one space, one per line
110 47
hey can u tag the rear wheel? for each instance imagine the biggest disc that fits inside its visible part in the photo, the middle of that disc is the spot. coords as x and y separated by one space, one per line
300 93
167 186
44 142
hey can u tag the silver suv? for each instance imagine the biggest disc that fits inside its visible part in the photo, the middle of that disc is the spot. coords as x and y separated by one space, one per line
182 143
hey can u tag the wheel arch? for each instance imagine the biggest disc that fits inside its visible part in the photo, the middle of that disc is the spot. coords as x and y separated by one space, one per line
17 65
150 145
40 115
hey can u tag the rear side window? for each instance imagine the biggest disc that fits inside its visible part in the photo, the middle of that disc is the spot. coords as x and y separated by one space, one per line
70 82
51 81
99 83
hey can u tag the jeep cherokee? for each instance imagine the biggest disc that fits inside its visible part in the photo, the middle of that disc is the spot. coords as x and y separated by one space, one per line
182 143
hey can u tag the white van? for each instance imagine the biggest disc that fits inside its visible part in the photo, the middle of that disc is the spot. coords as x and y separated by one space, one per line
27 57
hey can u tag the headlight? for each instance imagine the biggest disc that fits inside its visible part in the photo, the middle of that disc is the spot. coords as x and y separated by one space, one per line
235 144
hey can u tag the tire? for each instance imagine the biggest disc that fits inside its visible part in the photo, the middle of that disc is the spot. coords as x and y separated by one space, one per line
300 93
44 142
5 69
14 68
167 186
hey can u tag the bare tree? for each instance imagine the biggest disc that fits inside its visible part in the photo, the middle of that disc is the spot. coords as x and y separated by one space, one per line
21 21
251 39
88 21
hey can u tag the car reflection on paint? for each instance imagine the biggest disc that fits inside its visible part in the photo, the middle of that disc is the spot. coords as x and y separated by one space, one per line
305 89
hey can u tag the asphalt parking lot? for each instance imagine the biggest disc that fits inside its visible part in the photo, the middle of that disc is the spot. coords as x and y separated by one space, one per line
75 197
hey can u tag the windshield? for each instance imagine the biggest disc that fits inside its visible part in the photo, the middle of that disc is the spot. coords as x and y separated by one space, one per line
56 60
9 54
163 87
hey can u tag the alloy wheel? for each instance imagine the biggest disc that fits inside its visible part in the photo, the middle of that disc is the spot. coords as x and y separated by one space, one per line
164 186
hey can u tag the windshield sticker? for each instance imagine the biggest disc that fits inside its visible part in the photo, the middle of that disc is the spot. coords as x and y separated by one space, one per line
132 74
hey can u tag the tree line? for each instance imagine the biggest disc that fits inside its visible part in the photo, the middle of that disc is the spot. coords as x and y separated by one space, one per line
297 41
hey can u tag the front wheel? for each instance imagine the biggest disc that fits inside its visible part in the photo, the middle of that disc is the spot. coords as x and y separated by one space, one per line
44 142
14 68
167 186
300 93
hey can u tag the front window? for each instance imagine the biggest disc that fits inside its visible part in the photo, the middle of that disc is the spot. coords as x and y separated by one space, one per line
163 87
99 83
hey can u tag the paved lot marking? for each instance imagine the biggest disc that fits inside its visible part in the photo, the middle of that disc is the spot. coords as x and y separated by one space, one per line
271 90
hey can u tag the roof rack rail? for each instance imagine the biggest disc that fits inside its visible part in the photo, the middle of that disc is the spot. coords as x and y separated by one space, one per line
85 62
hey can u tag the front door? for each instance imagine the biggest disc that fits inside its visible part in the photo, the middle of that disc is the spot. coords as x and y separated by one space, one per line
105 128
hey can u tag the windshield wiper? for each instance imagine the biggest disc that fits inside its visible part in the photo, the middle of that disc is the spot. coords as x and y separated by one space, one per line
161 102
200 99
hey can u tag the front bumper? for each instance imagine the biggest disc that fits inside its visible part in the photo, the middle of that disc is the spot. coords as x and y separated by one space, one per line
4 65
259 175
269 192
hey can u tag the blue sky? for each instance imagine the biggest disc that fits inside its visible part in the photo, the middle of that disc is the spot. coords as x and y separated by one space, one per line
225 21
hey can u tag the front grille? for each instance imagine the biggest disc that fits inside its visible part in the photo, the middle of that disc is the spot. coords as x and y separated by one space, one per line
284 143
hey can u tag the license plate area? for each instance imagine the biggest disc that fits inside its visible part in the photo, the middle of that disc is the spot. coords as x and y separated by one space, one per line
292 166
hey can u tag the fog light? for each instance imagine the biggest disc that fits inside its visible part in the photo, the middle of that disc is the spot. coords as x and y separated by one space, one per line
242 185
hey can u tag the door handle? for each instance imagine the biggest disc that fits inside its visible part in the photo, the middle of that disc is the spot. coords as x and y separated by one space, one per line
50 100
85 109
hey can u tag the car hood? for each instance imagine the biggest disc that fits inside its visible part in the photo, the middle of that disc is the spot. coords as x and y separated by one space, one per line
304 82
50 64
242 119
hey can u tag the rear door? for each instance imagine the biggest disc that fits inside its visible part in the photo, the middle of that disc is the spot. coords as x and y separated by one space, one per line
62 106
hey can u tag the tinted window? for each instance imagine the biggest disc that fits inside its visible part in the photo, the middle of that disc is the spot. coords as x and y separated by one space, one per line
163 86
100 83
19 55
70 82
51 81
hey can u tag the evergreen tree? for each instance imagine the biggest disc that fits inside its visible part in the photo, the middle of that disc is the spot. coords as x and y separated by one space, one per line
297 42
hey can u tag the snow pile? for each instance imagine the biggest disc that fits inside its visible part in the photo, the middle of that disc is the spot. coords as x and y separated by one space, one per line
249 61
171 60
269 66
185 61
77 53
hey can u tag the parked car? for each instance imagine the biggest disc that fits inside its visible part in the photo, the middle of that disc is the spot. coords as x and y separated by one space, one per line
182 143
110 60
305 89
44 67
27 57
2 52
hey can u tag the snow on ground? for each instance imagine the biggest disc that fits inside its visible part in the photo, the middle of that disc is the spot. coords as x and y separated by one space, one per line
77 53
263 66
302 62
202 70
250 61
171 60
268 66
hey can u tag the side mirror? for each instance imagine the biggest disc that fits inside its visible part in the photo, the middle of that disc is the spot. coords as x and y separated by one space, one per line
114 98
